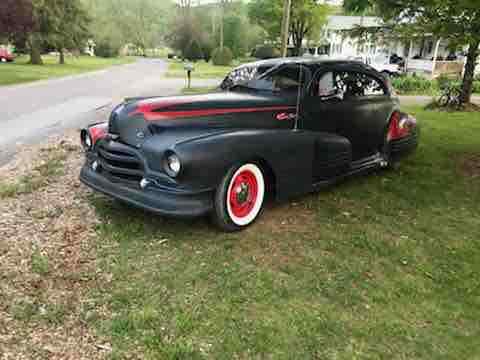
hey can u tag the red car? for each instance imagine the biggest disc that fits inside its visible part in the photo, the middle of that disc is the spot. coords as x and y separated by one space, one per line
6 55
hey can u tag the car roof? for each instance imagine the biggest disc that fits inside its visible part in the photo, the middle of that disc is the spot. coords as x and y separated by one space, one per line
311 62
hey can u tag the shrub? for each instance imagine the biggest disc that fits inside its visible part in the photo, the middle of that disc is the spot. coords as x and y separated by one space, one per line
266 52
222 56
476 87
413 84
207 48
193 52
106 49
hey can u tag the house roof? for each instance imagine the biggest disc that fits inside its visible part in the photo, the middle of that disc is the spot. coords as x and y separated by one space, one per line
341 22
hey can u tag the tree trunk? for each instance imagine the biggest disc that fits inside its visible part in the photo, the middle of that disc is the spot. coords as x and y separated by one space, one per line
222 16
35 56
62 57
285 26
467 84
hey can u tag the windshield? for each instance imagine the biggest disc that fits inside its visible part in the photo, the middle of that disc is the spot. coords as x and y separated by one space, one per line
243 75
278 79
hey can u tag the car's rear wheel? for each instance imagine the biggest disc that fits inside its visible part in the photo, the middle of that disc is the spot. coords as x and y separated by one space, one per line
239 197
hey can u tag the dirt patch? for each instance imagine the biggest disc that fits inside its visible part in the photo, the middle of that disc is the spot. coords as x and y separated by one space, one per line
48 258
469 165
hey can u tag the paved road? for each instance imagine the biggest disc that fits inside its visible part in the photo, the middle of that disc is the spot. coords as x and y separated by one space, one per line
29 112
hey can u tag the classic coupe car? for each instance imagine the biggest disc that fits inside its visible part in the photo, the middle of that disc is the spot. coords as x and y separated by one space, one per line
276 128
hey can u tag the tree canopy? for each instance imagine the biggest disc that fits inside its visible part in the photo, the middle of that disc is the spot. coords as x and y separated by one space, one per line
306 19
457 21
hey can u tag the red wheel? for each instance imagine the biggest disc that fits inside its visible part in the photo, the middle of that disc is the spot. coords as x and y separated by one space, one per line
239 198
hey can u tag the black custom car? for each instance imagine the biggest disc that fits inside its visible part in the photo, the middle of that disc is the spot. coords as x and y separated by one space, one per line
276 128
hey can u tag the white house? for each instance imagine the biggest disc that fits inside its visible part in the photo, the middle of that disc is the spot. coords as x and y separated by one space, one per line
425 54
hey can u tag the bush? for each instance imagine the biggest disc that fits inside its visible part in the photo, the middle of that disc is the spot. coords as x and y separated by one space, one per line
207 48
413 84
193 52
266 52
222 56
476 87
106 50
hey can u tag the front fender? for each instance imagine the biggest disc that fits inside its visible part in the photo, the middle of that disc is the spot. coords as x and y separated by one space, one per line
289 153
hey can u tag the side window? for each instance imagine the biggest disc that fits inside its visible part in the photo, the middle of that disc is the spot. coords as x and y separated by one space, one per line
288 79
353 84
326 85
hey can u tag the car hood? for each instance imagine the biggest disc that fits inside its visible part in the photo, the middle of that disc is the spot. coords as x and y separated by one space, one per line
136 120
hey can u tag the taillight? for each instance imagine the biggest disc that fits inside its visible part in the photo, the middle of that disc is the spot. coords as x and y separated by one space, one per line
400 126
91 135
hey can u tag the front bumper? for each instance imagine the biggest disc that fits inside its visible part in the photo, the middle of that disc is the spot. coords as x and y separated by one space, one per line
160 201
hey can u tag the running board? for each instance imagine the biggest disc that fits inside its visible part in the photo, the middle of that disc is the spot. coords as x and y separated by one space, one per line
360 166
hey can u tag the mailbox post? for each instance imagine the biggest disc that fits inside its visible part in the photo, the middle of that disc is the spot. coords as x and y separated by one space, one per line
189 68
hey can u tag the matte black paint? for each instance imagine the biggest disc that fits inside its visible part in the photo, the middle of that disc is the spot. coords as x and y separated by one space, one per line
333 140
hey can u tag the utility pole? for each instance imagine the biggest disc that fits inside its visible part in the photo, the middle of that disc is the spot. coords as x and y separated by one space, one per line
287 4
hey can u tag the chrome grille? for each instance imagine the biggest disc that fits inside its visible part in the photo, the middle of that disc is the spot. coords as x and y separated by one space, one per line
119 163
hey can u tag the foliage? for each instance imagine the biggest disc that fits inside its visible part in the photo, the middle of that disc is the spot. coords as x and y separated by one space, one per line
307 18
222 56
234 35
70 26
203 70
141 23
267 52
413 85
106 49
207 49
193 52
455 20
16 18
267 14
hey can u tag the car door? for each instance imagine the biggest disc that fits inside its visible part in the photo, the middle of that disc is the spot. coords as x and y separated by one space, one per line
353 104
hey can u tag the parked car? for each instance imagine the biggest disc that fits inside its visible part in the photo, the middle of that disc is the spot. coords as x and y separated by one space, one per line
276 129
6 56
382 64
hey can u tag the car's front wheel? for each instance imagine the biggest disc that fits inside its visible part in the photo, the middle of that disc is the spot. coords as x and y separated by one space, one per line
239 197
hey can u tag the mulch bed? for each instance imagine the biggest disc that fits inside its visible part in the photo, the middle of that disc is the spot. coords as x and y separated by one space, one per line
44 309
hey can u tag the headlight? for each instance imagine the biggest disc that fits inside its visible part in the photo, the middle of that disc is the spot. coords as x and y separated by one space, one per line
172 165
86 139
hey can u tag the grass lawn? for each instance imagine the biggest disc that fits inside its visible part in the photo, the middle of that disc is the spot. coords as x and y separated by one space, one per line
197 90
385 266
20 71
203 70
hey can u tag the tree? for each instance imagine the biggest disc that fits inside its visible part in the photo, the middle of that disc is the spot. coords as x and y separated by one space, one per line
287 6
455 20
69 26
306 19
268 15
16 18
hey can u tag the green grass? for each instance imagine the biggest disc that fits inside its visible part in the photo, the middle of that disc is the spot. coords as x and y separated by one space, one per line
197 90
21 72
203 70
385 266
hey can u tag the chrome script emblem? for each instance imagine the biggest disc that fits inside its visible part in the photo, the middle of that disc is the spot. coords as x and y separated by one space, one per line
140 135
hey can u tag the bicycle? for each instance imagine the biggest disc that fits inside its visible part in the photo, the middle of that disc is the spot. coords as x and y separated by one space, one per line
450 96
